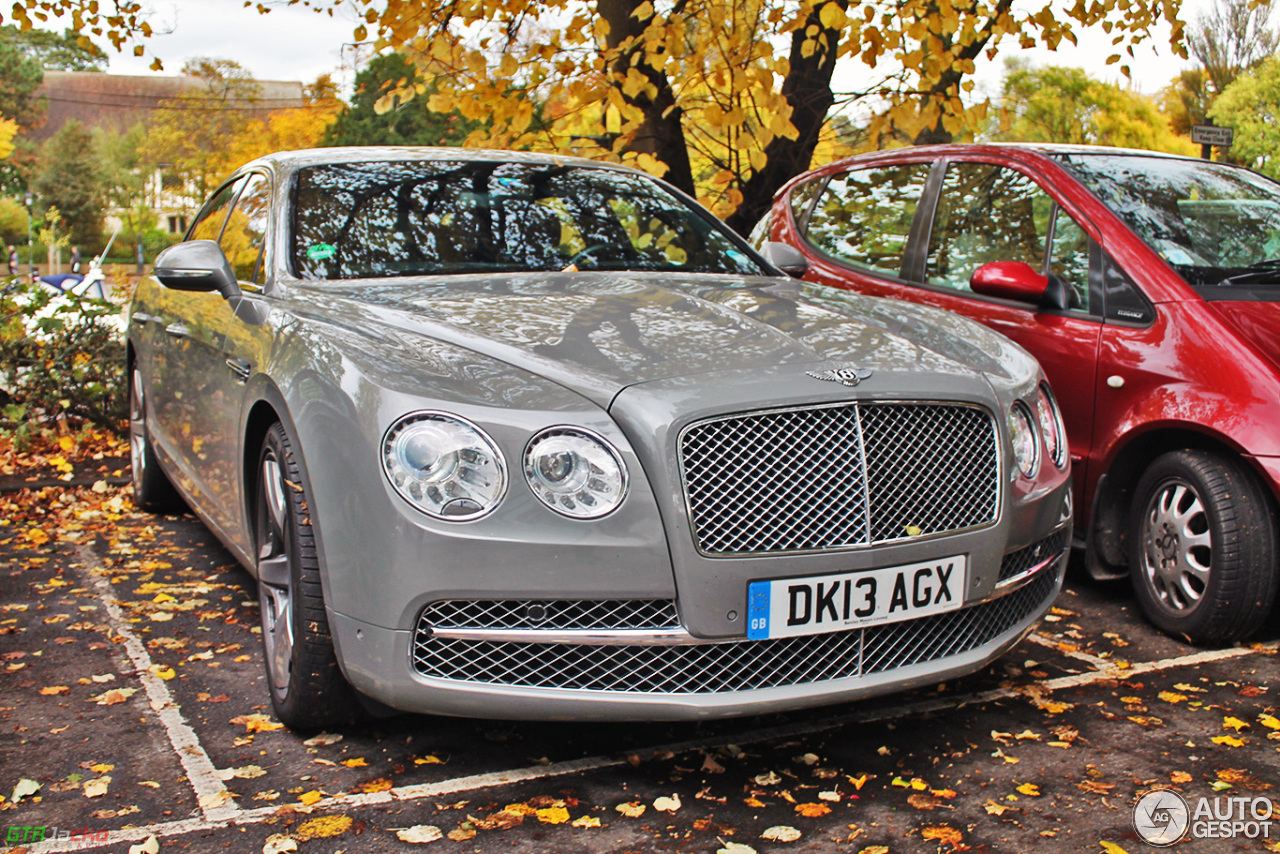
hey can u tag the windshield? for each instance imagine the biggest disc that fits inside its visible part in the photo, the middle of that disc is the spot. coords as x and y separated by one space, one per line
1215 224
382 219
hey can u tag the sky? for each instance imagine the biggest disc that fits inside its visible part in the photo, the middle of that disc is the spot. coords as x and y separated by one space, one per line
296 43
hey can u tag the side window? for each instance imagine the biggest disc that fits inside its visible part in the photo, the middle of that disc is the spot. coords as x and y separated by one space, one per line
863 218
802 199
986 213
246 230
208 223
1069 259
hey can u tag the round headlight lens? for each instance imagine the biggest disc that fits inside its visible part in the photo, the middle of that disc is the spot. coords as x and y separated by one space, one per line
445 466
1026 448
575 473
1051 426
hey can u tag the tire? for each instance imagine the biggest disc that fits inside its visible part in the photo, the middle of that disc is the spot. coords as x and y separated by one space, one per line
152 489
307 687
1204 547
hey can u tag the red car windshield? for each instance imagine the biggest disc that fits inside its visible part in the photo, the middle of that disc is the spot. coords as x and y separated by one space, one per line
1215 224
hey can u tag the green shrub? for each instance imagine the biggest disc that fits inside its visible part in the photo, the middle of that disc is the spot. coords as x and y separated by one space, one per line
60 358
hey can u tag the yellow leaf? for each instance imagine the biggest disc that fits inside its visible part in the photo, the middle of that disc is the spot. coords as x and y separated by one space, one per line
665 804
643 12
633 809
553 815
256 723
949 835
357 762
1228 740
1171 697
50 690
758 159
813 810
1031 790
586 821
428 760
382 784
324 826
310 797
994 808
1236 724
1269 721
1111 848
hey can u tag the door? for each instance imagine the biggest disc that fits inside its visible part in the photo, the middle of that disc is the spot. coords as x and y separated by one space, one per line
987 212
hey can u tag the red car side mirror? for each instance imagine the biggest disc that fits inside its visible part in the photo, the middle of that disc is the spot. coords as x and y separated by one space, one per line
1016 280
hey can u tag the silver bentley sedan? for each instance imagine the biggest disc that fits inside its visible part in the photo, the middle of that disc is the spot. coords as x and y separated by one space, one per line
524 436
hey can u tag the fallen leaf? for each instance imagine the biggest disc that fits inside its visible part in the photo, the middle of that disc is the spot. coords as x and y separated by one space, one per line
247 772
1234 723
834 797
770 779
781 833
151 845
382 784
323 739
323 826
257 723
114 696
734 848
50 690
428 760
711 766
994 808
559 815
1240 777
1111 848
357 762
97 787
665 804
279 843
1031 790
813 810
631 810
24 789
586 821
949 835
1180 777
310 797
1171 697
1269 721
1228 740
420 833
1095 787
462 834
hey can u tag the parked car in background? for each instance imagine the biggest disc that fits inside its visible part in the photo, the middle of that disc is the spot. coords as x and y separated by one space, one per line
524 436
1147 285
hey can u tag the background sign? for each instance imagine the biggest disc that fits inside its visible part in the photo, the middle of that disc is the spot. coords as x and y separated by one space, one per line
1211 135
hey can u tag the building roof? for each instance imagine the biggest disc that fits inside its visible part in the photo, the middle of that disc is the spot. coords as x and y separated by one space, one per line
120 101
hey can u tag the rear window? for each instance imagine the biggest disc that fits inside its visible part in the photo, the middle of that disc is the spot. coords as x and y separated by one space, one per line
384 219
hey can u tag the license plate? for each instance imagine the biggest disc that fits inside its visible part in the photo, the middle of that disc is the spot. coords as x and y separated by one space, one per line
830 603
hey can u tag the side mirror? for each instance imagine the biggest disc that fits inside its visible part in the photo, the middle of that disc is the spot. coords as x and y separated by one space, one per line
1016 280
786 258
196 265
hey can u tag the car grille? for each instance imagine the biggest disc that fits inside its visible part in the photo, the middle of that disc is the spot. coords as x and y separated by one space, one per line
1016 563
835 477
740 665
563 614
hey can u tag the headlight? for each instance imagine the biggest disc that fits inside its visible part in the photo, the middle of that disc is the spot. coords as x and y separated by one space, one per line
575 473
1026 448
1051 426
444 466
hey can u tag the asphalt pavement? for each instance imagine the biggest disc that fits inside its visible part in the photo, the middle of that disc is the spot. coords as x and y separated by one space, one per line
135 718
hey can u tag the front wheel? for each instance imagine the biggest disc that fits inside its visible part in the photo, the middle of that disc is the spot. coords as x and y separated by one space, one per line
1204 547
308 689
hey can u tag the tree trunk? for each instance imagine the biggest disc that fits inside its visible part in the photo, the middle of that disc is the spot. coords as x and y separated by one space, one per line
661 133
808 90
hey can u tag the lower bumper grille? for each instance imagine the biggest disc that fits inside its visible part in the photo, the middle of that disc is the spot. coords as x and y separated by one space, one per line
731 666
1016 563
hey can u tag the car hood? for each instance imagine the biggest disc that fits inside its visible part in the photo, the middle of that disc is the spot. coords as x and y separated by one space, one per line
1257 321
599 333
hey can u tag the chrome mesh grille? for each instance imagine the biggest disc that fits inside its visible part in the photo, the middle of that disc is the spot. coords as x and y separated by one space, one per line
552 614
1024 558
743 665
838 476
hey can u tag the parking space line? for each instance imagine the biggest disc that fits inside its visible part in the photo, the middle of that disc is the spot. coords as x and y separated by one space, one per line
1078 654
215 799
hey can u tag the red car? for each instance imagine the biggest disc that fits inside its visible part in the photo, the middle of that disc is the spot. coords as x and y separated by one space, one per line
1147 285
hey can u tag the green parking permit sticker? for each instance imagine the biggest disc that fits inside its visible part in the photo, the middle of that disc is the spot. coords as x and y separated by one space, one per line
321 251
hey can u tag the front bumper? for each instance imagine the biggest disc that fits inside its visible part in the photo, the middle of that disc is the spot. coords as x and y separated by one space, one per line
636 662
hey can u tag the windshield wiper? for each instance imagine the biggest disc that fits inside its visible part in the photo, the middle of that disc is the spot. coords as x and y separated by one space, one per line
1263 272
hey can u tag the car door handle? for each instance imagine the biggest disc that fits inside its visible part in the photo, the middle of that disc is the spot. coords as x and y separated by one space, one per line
177 330
240 368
